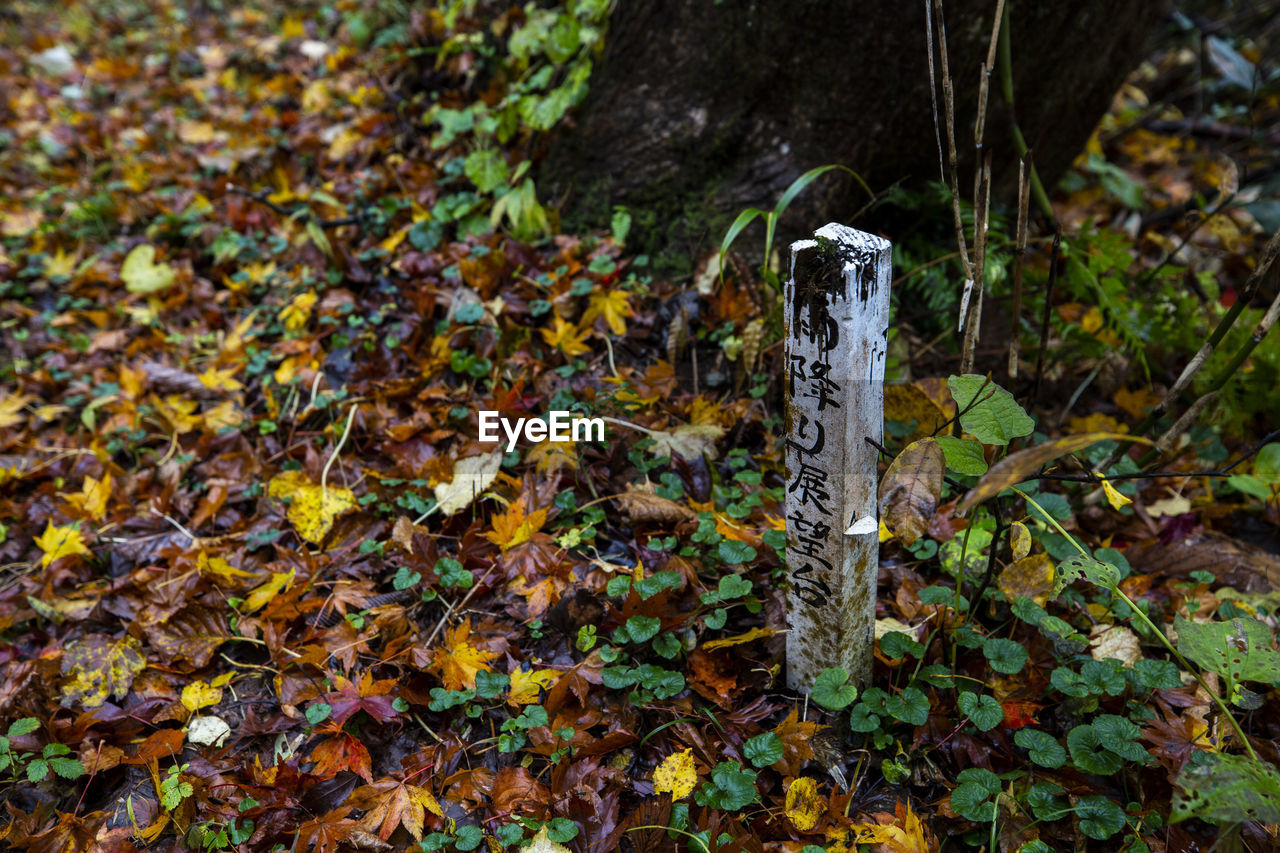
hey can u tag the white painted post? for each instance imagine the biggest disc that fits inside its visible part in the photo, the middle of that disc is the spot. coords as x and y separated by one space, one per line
837 323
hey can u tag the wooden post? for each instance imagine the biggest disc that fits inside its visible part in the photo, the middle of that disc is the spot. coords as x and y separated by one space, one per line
837 323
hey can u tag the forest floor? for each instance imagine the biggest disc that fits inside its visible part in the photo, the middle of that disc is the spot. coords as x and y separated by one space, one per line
263 588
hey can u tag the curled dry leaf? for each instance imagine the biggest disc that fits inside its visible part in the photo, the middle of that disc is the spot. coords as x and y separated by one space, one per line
910 489
642 505
471 476
1019 466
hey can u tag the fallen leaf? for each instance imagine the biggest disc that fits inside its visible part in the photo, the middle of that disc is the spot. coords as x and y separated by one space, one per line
456 661
910 489
542 844
526 684
676 775
1115 641
100 667
200 694
739 639
1031 577
59 542
471 476
1114 497
803 805
312 508
141 273
262 595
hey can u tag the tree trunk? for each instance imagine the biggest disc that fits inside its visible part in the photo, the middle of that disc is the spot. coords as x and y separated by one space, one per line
700 108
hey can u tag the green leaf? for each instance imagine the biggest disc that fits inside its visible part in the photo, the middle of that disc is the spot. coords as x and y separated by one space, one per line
1090 753
1226 789
37 770
24 726
1150 674
896 645
1119 735
982 710
1042 747
910 706
995 418
731 787
490 685
831 689
734 552
972 798
1250 485
486 169
318 712
1266 466
67 768
1238 650
1103 676
1005 656
1045 800
963 455
715 619
1095 572
1099 817
763 750
643 628
733 586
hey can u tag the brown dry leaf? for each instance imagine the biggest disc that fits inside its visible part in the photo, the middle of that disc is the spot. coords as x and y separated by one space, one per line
910 489
1136 403
797 742
688 440
391 803
1115 641
642 505
900 832
1016 467
712 676
1031 577
1238 564
739 639
804 806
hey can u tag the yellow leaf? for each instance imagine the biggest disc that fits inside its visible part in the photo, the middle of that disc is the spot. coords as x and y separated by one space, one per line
60 264
100 667
11 406
739 639
676 775
512 527
292 27
218 566
1019 540
262 595
296 314
612 306
312 509
195 132
344 143
567 338
541 843
525 684
141 273
884 534
59 542
1030 577
457 661
1114 497
200 694
804 806
91 500
221 380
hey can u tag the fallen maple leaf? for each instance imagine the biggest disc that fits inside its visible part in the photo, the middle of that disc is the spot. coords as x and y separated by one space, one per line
456 661
312 508
59 542
803 805
391 803
525 684
99 667
612 306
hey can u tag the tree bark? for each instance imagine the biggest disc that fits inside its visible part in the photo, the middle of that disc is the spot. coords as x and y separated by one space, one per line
700 108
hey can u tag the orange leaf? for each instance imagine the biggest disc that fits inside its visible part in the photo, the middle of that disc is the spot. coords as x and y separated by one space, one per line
456 661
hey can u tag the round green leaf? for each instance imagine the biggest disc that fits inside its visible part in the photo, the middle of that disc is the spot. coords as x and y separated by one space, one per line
983 711
1042 747
763 750
1005 656
831 689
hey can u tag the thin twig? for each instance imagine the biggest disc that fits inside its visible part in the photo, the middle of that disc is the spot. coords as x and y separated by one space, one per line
1044 315
1019 255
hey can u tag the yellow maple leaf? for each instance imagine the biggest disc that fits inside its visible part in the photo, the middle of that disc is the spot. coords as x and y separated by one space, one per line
566 337
456 661
525 684
60 264
262 595
676 775
612 306
58 542
1114 497
200 694
512 527
312 509
804 806
221 380
91 501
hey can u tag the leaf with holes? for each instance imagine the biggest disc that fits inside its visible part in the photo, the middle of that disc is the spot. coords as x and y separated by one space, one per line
910 490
